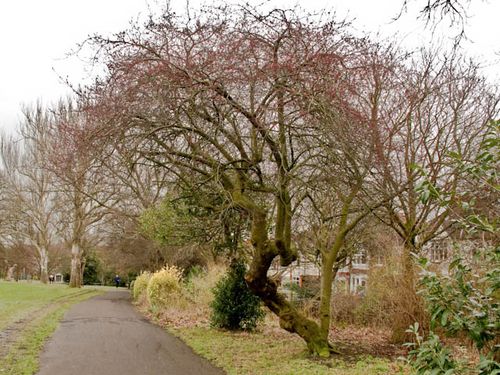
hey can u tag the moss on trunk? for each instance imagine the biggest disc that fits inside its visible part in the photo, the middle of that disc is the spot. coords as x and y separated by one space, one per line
267 289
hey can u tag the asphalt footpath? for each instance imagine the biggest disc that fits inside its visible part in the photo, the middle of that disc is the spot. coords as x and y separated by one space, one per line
105 335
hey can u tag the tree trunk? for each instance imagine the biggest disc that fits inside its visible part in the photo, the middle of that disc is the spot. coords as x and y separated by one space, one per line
44 265
265 288
83 262
328 272
290 319
410 307
327 276
407 262
75 280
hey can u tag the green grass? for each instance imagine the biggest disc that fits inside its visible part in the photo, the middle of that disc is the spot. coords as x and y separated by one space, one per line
256 354
18 300
47 305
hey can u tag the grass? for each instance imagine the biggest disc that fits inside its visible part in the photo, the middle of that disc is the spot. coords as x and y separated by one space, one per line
18 300
269 351
43 306
258 353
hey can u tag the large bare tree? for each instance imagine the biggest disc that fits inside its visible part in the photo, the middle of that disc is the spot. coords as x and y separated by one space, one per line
30 201
86 194
219 98
267 110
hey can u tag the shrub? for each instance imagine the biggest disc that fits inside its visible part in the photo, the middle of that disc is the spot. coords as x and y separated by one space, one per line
199 283
234 306
465 302
430 356
388 301
163 284
192 302
140 284
383 304
342 307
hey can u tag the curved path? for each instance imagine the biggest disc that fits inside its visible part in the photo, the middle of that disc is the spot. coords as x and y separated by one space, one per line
106 336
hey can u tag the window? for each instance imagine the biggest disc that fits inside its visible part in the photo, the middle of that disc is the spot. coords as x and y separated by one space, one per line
360 258
439 251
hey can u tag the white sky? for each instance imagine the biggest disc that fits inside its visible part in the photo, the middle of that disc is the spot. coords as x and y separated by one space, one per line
36 35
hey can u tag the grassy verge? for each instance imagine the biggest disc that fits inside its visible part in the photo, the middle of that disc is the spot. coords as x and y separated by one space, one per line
46 309
268 354
18 300
270 350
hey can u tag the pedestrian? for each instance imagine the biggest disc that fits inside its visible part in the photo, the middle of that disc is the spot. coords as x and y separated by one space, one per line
51 278
117 281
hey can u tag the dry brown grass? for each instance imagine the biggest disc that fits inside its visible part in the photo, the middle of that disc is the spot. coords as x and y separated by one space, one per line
389 303
190 307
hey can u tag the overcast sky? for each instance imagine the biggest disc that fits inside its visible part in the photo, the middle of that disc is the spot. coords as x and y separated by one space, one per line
36 36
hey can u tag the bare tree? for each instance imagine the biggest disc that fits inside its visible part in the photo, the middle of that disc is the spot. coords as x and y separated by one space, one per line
433 12
217 98
86 194
257 107
428 108
29 195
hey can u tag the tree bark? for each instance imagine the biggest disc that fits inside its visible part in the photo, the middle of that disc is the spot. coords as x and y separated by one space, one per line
44 265
75 280
267 289
410 304
327 276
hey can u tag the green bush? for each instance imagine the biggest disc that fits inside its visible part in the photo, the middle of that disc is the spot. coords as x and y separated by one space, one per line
140 284
430 356
466 301
163 284
234 306
91 270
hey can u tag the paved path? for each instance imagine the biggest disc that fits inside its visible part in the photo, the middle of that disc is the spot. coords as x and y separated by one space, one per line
106 336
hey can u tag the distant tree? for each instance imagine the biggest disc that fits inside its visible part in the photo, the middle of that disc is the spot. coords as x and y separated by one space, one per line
424 113
86 193
30 200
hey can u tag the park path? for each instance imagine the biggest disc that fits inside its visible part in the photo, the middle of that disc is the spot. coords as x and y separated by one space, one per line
106 336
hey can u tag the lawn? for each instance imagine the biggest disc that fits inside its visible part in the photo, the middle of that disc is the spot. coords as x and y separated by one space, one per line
265 353
270 350
19 300
29 314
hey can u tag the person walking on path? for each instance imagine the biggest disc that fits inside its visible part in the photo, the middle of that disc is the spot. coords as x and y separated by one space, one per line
117 281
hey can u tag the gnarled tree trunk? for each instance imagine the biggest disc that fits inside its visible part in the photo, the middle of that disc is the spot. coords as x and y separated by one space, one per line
267 289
